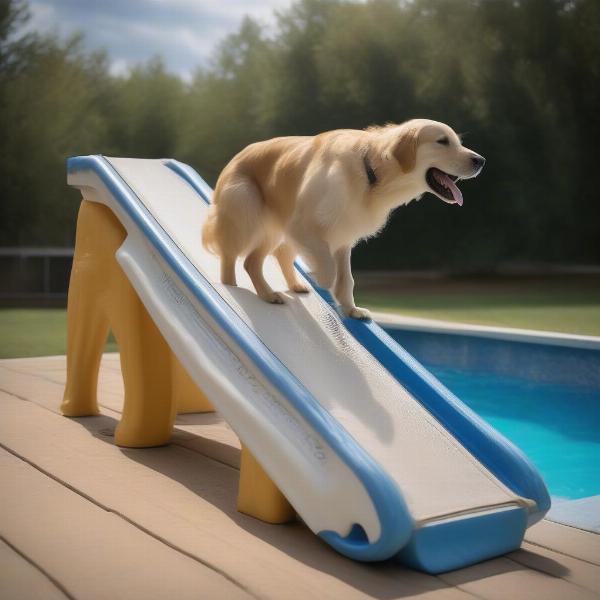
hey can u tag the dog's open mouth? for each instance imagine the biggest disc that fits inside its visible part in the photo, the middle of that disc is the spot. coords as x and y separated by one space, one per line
442 184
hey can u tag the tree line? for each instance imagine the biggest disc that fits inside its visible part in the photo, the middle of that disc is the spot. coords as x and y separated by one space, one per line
519 78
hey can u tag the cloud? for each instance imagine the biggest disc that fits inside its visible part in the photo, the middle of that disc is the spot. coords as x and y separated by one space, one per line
183 32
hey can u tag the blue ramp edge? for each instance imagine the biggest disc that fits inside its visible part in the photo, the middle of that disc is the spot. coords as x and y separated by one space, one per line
395 520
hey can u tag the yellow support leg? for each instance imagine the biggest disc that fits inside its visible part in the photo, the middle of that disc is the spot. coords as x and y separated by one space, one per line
101 298
258 496
87 321
148 408
188 397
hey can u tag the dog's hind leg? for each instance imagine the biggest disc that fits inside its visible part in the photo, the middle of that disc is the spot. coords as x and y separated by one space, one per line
254 266
228 269
285 256
237 225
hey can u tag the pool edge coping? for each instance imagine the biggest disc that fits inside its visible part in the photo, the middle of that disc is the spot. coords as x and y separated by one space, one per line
399 321
579 513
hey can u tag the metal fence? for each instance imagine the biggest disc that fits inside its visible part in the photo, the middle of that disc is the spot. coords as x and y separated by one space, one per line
34 275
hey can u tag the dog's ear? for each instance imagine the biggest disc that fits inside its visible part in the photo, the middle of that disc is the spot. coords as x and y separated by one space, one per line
405 148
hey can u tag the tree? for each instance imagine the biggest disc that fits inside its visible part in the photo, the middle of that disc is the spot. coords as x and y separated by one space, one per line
519 78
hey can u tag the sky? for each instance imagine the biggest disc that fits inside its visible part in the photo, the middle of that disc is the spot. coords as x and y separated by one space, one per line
183 32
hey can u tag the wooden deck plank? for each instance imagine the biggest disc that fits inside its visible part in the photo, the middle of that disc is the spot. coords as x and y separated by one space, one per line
583 545
207 434
572 569
503 578
189 501
545 572
21 580
93 553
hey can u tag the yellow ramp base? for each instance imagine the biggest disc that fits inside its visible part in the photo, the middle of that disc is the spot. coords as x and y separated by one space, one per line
157 387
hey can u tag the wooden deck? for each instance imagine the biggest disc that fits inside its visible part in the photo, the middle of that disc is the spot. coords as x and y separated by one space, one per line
82 518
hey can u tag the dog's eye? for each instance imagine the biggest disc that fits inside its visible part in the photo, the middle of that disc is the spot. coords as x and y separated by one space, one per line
444 141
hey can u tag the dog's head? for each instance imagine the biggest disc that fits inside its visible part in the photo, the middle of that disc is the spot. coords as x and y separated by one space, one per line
433 154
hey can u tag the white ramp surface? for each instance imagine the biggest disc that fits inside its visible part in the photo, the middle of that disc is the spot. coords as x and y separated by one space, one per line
438 477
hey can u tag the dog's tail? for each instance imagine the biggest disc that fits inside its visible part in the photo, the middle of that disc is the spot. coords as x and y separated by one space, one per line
209 237
235 219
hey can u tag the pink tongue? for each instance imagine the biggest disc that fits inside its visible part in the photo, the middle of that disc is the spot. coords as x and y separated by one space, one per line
447 182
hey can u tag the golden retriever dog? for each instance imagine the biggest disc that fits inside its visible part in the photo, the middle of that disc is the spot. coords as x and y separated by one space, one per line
318 196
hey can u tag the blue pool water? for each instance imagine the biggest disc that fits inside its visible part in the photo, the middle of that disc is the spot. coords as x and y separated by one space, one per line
557 426
545 399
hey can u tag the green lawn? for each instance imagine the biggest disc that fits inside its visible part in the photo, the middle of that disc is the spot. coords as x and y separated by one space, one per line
35 332
570 305
567 304
566 318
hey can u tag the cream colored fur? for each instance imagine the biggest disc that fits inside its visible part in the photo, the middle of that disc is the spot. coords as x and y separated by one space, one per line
311 196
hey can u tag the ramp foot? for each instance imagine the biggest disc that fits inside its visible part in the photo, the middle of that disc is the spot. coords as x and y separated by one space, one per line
258 496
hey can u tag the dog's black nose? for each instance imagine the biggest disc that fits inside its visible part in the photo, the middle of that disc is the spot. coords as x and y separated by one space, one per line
478 161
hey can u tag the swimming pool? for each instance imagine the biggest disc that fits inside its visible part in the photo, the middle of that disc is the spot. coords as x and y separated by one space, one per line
544 397
562 437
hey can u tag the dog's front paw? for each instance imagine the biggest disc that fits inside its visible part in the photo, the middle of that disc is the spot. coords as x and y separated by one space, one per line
355 312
